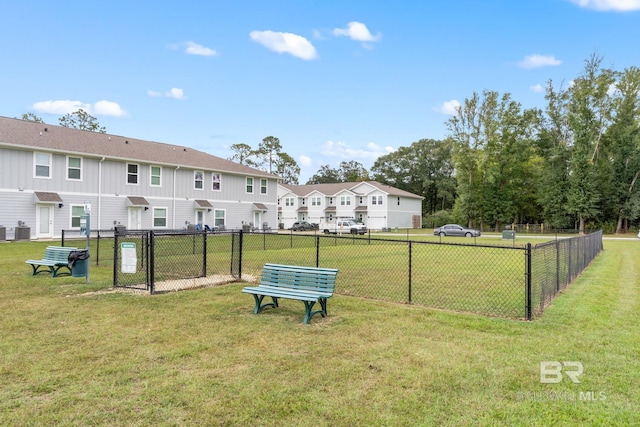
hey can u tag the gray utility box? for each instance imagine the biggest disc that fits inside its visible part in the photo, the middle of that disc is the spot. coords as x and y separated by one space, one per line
508 235
3 233
23 233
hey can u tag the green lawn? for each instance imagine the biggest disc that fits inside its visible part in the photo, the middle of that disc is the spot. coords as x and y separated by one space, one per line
72 354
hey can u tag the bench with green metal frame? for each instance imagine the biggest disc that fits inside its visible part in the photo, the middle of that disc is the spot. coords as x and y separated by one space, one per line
310 285
54 259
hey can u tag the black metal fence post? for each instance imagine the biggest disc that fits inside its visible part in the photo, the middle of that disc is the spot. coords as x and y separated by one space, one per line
557 266
410 267
62 240
528 302
204 254
115 260
317 251
151 262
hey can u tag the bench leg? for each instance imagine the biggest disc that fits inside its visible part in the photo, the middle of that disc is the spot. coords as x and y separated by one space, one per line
36 269
259 306
55 271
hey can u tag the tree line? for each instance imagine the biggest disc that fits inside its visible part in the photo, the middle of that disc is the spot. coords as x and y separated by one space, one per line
573 164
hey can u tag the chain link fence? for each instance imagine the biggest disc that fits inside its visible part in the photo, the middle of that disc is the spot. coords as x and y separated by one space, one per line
495 280
556 264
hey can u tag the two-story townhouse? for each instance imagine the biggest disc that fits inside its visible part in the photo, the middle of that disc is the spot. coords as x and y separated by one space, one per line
48 173
377 205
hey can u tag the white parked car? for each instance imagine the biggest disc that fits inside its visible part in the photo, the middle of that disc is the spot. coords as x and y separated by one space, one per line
347 226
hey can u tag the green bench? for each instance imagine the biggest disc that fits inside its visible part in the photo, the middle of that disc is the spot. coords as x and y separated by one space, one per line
310 285
54 259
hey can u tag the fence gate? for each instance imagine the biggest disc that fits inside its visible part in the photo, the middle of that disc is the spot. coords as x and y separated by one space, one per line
131 260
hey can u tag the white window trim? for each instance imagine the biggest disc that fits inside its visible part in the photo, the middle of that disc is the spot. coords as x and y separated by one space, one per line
195 180
266 186
153 218
137 174
224 216
36 164
69 167
71 216
151 184
219 181
246 184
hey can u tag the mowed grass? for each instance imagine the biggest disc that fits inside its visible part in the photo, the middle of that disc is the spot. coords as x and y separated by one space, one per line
72 354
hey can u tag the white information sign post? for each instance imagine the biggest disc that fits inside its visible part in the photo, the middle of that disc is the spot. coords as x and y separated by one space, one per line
129 257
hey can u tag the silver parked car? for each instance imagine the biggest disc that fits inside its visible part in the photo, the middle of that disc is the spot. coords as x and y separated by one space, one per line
456 230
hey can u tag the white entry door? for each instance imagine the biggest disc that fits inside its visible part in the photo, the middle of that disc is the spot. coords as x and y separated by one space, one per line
135 219
256 220
44 221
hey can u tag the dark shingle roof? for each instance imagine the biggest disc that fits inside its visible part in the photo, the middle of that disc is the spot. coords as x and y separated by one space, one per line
46 137
335 188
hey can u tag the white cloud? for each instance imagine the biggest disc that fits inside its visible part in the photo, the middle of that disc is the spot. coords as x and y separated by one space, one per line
290 43
604 5
197 49
536 61
175 93
108 108
357 31
344 152
450 107
304 160
536 88
100 108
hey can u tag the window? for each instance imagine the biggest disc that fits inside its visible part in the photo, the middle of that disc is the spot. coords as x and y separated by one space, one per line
289 201
219 217
263 186
76 213
249 185
316 201
345 200
215 179
376 200
132 174
74 168
156 174
198 180
159 217
42 165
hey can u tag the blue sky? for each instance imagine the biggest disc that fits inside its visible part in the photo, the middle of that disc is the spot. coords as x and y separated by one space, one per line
334 80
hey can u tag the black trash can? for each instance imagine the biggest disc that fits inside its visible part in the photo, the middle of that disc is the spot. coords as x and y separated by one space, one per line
79 262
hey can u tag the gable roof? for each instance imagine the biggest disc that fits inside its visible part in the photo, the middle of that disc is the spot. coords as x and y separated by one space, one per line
42 136
334 188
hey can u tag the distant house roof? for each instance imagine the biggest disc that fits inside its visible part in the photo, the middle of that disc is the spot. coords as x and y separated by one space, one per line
41 136
335 188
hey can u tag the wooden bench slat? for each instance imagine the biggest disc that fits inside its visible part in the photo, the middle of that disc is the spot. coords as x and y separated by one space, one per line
310 285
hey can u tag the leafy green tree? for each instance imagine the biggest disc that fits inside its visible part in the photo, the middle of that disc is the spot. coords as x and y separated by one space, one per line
352 171
622 146
268 151
553 147
244 154
81 120
424 168
590 108
287 168
30 117
325 175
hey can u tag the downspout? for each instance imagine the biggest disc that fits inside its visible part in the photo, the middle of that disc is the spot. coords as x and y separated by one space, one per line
173 209
99 225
